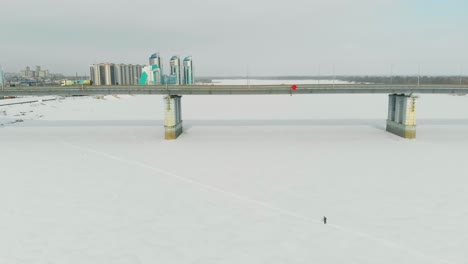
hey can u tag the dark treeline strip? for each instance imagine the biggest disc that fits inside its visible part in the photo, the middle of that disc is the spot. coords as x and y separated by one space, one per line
361 79
406 79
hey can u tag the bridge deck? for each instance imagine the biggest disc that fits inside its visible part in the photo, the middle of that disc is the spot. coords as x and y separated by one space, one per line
235 89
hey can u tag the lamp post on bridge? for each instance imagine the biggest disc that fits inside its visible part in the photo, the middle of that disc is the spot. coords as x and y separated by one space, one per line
391 74
419 72
248 78
2 78
318 79
461 75
334 75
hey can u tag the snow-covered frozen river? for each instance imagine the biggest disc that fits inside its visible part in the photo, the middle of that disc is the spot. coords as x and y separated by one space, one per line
88 180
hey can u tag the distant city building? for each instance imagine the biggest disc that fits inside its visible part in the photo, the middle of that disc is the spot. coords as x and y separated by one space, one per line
175 76
150 76
154 75
43 74
115 74
188 71
165 79
27 72
146 77
173 79
38 73
156 69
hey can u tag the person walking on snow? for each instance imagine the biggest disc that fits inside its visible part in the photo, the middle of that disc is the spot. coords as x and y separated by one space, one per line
325 220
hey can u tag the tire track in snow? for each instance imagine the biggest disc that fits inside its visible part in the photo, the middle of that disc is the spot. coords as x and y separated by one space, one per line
282 211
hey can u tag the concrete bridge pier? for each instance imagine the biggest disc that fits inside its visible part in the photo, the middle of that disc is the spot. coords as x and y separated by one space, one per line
172 116
401 119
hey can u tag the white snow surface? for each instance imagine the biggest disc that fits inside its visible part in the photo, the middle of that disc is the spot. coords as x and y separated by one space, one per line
92 181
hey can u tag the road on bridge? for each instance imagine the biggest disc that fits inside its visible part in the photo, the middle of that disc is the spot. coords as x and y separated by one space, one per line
235 89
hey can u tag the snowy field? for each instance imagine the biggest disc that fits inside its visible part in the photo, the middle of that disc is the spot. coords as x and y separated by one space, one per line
92 181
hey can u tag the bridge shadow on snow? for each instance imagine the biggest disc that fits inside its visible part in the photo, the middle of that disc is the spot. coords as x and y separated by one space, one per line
376 123
380 124
83 123
188 124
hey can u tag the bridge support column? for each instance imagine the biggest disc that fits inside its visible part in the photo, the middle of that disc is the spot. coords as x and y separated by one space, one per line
401 119
172 116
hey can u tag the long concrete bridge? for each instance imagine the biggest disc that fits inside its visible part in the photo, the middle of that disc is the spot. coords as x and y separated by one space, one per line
401 105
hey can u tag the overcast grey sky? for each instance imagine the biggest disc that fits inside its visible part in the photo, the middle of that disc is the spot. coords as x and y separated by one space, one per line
272 37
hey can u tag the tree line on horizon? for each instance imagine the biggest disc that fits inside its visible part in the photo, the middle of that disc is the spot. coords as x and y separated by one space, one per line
399 79
453 80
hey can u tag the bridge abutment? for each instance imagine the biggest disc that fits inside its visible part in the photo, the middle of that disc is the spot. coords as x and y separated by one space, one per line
172 116
401 119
